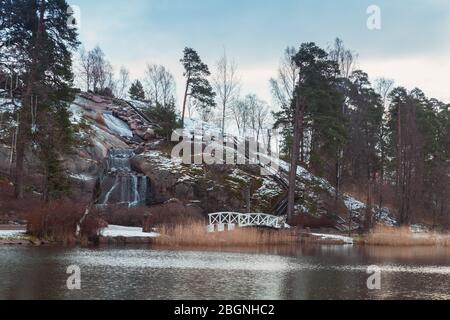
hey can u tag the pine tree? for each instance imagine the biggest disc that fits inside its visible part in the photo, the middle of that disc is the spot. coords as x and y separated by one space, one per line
316 108
43 41
362 152
406 150
137 91
166 117
197 84
317 85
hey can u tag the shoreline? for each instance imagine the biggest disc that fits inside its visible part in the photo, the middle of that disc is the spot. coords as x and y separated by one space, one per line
124 236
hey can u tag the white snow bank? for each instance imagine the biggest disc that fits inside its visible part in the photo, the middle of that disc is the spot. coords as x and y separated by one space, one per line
332 237
11 234
127 232
117 126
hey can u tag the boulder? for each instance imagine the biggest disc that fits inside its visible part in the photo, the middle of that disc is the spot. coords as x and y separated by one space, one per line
149 134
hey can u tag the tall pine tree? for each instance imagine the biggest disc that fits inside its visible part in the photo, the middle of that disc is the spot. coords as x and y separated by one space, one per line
315 111
44 42
197 84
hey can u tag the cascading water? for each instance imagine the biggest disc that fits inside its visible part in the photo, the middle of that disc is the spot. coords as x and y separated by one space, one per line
121 185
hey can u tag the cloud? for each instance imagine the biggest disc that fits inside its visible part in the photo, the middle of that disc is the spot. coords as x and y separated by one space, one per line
427 72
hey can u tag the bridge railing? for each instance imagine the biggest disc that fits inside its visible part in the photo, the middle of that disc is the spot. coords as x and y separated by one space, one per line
242 220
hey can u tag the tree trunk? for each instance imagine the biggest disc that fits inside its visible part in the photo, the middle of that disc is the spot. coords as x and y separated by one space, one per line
185 101
383 160
223 118
24 128
298 128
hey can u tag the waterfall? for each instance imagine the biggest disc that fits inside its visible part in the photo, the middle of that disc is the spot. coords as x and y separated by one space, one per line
121 185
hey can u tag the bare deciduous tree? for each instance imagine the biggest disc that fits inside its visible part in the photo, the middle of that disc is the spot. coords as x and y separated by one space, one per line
159 84
258 114
241 115
96 71
250 114
86 67
122 83
283 87
346 59
226 83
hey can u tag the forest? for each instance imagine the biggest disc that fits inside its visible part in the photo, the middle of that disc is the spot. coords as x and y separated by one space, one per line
387 145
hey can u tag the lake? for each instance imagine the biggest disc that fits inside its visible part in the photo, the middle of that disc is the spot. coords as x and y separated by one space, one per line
308 272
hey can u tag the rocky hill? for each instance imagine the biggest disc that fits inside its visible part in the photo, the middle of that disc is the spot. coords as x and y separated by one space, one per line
104 124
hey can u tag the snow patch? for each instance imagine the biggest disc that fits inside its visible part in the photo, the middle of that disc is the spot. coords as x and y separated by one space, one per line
11 234
346 240
77 114
127 232
419 228
117 126
81 177
6 106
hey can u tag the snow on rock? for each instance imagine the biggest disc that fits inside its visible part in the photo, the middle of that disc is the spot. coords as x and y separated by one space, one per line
77 114
82 177
139 104
192 124
269 189
385 217
117 126
7 106
114 231
353 204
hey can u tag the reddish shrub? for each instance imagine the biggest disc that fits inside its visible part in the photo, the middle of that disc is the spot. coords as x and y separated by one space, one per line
56 221
91 227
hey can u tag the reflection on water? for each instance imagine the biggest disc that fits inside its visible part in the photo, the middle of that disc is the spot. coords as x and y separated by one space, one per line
311 272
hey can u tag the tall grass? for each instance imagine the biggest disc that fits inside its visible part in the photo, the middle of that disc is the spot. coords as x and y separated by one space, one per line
195 234
385 236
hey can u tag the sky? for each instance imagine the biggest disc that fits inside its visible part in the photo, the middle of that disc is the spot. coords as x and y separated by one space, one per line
412 47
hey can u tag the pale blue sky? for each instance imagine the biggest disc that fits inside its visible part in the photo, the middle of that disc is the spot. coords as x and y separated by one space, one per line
413 46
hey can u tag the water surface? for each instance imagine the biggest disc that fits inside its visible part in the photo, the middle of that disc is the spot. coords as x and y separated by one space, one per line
317 272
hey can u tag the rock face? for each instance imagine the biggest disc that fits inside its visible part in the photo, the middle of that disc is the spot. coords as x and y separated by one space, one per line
214 188
120 184
211 188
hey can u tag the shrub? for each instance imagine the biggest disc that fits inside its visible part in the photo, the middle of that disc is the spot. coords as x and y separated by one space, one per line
55 221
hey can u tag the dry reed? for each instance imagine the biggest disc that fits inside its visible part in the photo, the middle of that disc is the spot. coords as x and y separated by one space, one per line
385 236
195 234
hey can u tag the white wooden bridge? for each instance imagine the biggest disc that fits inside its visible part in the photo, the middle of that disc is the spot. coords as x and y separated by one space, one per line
231 220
